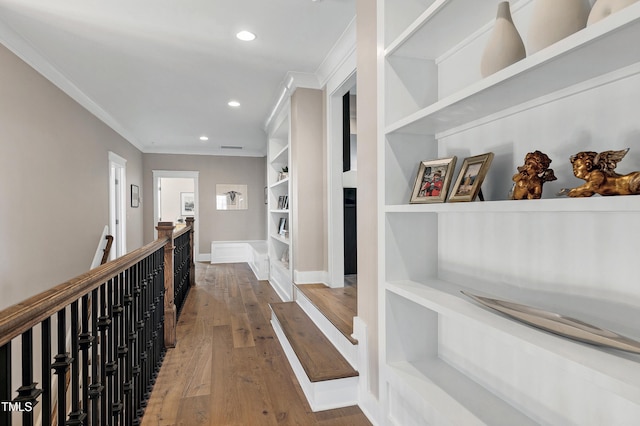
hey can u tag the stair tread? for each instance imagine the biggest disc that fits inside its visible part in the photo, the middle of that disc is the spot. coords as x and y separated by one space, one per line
338 305
319 358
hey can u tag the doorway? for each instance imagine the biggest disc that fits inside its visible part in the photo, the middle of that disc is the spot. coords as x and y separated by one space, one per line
176 198
342 182
117 205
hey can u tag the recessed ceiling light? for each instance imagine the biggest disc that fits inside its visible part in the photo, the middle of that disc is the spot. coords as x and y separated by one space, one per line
204 138
246 36
234 104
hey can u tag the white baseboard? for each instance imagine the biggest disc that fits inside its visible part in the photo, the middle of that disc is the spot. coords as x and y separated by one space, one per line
203 257
310 277
347 349
253 252
368 403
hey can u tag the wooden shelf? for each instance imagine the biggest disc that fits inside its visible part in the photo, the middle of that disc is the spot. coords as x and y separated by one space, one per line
580 57
279 211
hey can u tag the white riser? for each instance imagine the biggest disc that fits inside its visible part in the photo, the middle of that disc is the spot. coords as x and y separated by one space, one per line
324 395
341 343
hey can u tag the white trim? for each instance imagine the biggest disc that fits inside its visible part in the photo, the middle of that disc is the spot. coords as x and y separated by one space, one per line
118 166
342 56
184 174
368 403
310 277
335 202
346 348
325 395
20 47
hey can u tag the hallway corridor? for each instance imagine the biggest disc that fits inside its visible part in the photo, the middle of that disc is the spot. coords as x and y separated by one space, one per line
228 367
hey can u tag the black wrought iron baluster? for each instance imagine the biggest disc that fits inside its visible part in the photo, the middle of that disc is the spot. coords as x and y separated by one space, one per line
128 356
104 323
146 287
85 342
135 339
96 388
5 383
77 415
120 347
27 393
61 365
110 366
159 321
45 331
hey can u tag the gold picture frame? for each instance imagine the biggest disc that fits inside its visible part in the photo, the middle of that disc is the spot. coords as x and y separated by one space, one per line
433 180
472 173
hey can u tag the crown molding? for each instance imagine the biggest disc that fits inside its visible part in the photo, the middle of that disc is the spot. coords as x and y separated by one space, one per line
24 50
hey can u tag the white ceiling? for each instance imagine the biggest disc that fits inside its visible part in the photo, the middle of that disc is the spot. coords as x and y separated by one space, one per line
160 72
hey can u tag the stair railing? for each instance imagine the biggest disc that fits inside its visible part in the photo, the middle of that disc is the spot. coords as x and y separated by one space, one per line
97 341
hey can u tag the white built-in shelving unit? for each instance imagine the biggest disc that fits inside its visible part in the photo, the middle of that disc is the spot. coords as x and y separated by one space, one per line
446 359
280 274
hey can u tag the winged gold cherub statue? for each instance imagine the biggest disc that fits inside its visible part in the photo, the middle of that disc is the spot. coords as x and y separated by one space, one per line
531 176
598 172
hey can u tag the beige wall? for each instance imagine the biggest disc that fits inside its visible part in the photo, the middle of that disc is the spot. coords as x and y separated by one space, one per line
53 183
308 177
214 225
367 102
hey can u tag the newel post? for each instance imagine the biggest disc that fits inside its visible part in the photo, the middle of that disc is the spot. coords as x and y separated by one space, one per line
165 230
192 266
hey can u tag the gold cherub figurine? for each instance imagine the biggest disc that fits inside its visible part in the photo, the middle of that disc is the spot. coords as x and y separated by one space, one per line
598 172
531 176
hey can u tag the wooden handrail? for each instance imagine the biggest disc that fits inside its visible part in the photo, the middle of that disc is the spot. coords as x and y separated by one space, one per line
22 316
107 249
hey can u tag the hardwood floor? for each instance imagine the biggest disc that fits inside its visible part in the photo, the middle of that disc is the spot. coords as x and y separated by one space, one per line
228 367
339 305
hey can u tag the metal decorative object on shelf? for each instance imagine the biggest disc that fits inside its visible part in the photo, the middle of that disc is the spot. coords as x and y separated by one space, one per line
531 176
598 170
559 324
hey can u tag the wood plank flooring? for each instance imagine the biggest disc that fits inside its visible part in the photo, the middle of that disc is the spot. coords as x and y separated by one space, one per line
228 367
339 305
319 358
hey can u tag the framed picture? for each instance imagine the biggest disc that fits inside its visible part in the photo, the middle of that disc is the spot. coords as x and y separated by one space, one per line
470 178
135 196
231 197
433 180
187 204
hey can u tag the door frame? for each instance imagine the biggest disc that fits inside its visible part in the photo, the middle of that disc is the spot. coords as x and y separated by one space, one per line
335 200
181 174
118 204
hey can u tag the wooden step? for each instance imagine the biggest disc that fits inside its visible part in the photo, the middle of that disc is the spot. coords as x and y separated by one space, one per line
338 305
319 358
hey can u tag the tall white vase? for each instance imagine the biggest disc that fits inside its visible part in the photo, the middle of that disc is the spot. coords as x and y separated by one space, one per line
554 20
505 45
603 8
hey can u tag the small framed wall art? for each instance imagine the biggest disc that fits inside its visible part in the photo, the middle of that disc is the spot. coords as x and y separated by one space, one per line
231 197
135 196
433 180
472 174
187 203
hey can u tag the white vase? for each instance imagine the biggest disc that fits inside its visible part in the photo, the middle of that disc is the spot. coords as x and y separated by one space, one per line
603 8
505 45
554 20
